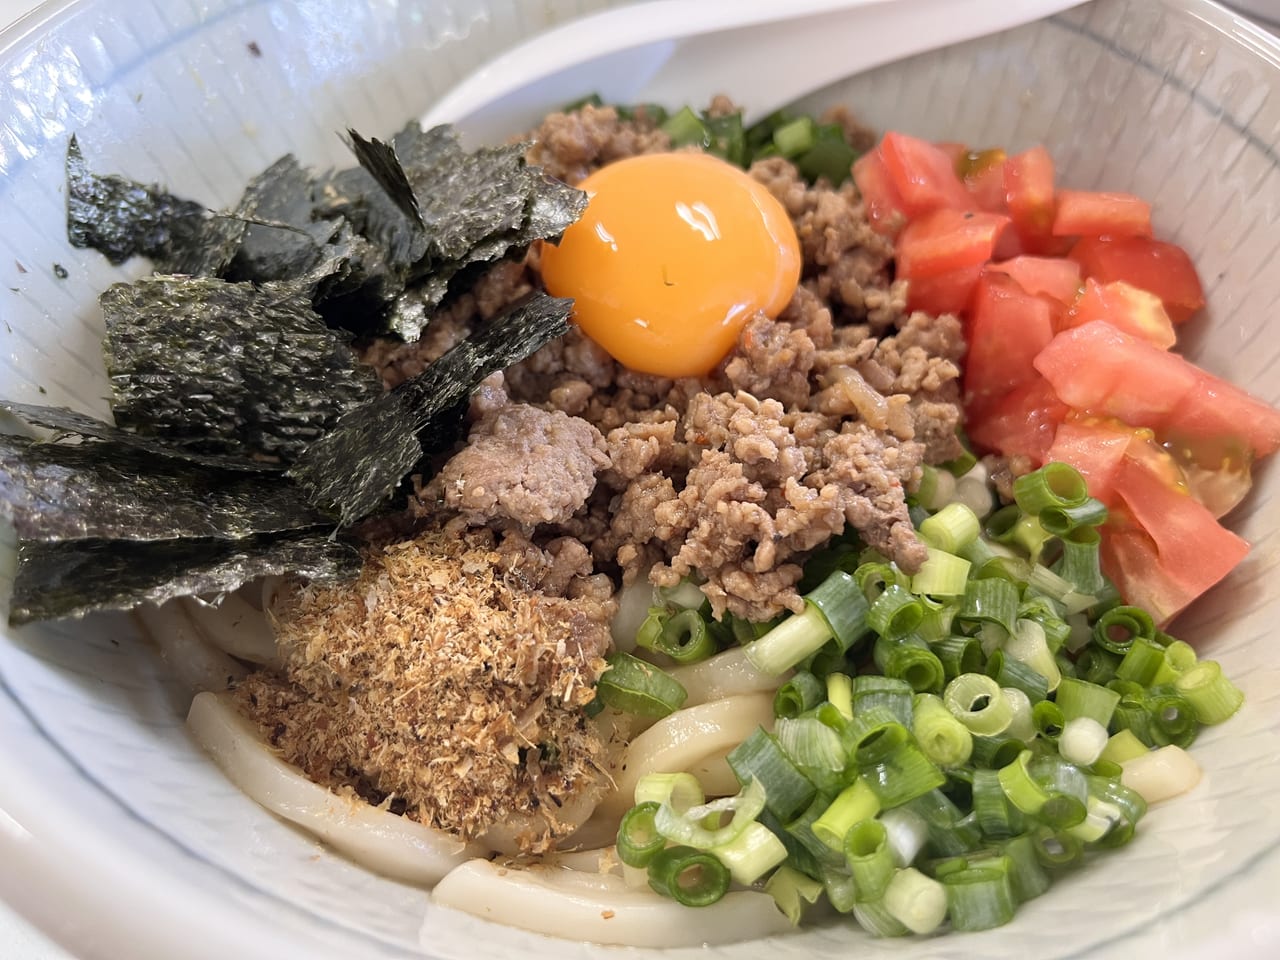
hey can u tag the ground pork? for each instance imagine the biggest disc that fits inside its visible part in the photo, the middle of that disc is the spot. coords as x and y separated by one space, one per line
522 463
818 420
442 680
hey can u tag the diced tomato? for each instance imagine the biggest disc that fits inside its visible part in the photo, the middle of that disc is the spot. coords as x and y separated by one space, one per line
956 152
1008 329
1152 265
946 240
948 292
1134 311
1192 550
1089 213
1103 370
1029 196
880 197
923 175
1051 276
983 174
1021 423
1215 410
1096 447
1099 369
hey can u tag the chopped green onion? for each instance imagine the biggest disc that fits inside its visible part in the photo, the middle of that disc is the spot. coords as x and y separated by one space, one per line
752 853
908 833
1022 789
1123 746
833 609
1096 665
902 774
1000 526
842 606
936 488
873 733
1141 662
1080 698
1121 800
979 898
896 612
1009 672
689 826
1082 740
1067 791
949 834
830 158
1026 874
638 838
685 128
941 575
787 791
853 804
1027 644
1173 718
866 851
798 695
871 690
943 738
1022 726
1080 562
1061 521
910 659
991 808
795 137
952 528
993 600
633 686
685 638
840 693
876 919
791 891
979 703
1048 719
875 576
1056 848
691 877
959 654
996 752
800 830
1212 696
842 892
916 901
1118 627
1055 485
1180 656
817 751
680 790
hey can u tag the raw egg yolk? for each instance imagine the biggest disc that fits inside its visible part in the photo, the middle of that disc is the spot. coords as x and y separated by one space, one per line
674 253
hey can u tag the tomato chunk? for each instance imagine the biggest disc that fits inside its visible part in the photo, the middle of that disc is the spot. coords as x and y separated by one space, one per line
1152 265
948 292
946 240
1100 369
1021 423
1029 196
1051 276
1134 311
1008 329
1192 550
983 174
1089 213
1096 447
880 198
923 175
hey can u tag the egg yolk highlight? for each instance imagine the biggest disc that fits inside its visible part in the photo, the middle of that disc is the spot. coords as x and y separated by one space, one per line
674 253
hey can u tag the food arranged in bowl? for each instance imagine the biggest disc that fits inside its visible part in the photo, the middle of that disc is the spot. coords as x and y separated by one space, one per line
671 605
704 600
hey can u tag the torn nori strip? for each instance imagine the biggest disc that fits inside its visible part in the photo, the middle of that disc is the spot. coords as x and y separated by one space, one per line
121 219
72 422
71 579
374 447
225 367
380 160
284 241
105 490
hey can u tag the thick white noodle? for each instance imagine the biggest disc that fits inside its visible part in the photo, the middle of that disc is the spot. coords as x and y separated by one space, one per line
195 662
234 626
727 674
601 908
685 740
634 601
505 837
393 846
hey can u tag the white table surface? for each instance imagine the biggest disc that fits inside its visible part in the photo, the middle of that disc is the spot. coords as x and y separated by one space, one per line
18 939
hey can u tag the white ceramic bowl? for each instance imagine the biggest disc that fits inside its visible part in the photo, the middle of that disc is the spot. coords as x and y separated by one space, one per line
122 841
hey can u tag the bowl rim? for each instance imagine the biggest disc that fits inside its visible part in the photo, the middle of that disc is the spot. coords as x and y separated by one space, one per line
87 891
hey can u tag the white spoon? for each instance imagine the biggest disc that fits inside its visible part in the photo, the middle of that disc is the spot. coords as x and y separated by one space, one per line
763 53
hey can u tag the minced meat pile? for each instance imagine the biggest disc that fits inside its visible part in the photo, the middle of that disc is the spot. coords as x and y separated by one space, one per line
579 475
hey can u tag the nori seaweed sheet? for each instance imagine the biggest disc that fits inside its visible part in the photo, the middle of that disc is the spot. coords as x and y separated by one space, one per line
121 219
111 491
70 579
362 461
69 422
222 367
